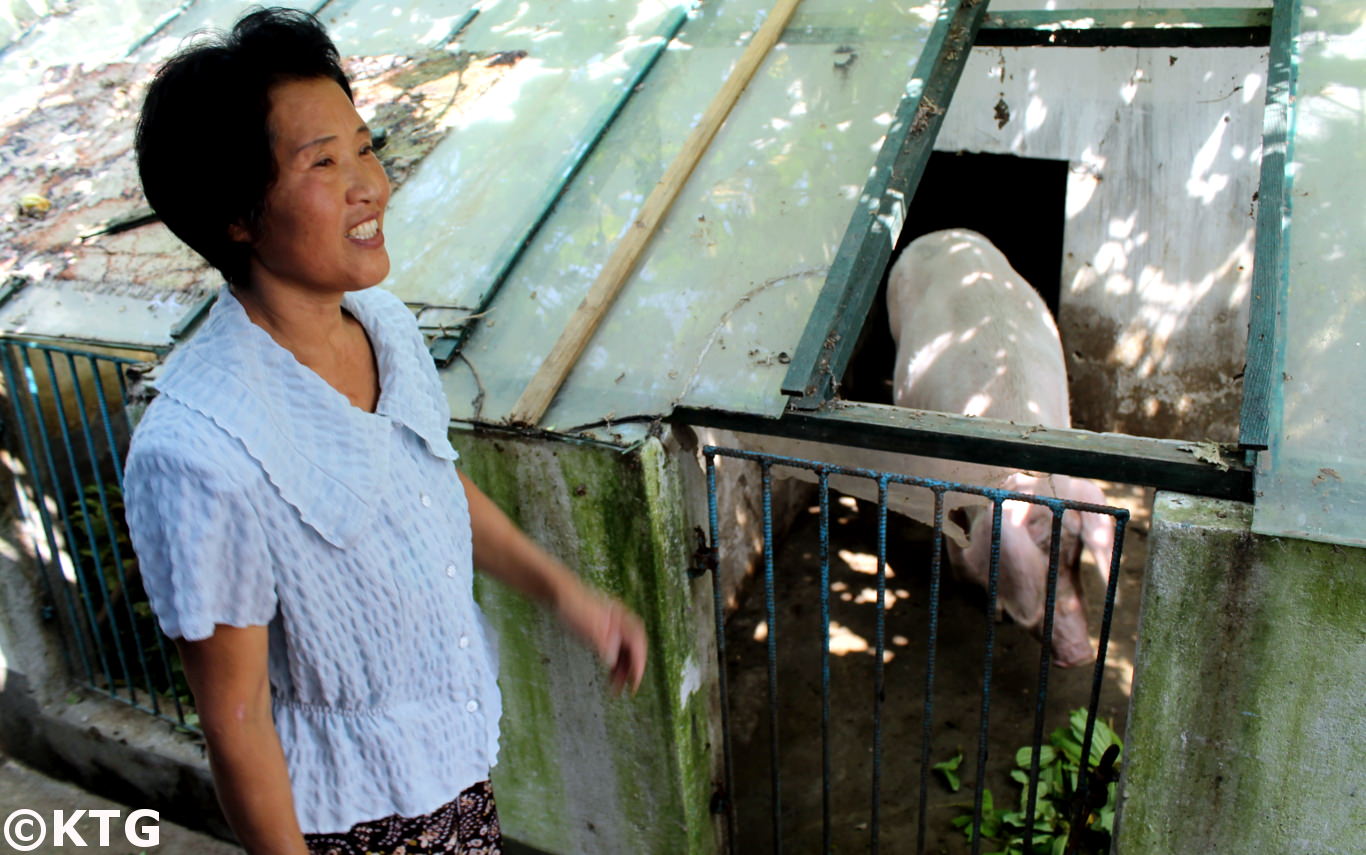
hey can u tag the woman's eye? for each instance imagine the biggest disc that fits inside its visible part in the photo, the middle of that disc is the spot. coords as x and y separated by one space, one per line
323 161
368 148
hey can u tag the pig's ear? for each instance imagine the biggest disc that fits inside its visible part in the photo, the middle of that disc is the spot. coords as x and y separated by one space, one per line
1019 482
1040 523
959 517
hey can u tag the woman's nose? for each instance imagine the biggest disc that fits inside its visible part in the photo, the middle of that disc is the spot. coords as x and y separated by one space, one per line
368 182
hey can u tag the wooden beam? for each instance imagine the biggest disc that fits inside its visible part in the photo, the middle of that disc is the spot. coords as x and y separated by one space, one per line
1205 469
536 398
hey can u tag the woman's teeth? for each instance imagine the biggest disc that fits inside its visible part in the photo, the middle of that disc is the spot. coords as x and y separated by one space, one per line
365 230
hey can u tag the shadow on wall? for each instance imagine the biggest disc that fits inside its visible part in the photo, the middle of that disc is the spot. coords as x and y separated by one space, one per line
1180 266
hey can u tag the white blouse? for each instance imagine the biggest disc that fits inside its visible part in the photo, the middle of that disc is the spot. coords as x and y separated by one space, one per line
256 494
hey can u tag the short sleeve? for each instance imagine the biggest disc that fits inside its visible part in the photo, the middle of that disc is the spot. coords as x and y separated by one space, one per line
201 549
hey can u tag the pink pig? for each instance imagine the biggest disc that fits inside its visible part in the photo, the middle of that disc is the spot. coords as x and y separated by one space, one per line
973 337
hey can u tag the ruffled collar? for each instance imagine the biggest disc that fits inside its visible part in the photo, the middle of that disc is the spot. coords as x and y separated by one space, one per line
328 458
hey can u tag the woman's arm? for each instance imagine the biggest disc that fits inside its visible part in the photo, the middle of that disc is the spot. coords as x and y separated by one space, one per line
229 677
502 551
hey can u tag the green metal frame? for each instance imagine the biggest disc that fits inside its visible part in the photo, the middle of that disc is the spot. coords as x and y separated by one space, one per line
1203 469
1153 28
1270 273
193 317
828 341
13 285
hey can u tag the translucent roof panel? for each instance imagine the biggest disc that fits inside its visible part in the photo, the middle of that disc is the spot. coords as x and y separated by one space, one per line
1312 483
72 147
72 81
722 294
358 28
452 230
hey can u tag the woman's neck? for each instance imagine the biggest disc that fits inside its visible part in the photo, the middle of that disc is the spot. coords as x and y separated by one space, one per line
311 325
320 335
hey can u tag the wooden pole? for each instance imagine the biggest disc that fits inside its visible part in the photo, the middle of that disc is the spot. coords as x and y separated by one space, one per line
536 398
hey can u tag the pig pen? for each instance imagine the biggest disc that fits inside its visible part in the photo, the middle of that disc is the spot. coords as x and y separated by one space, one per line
959 657
958 682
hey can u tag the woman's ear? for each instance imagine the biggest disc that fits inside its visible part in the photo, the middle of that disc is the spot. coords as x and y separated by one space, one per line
237 233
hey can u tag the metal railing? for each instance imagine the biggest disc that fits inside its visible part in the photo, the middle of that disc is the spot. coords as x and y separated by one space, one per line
72 426
996 497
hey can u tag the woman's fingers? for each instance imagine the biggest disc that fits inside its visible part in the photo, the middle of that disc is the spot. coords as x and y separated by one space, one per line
613 631
633 653
625 651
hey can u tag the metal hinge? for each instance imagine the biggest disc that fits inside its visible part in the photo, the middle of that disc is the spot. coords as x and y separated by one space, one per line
704 558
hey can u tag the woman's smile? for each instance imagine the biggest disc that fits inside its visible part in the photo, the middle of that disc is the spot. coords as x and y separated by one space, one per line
367 232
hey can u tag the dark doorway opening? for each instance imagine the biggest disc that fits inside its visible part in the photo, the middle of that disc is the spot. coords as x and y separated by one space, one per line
1018 203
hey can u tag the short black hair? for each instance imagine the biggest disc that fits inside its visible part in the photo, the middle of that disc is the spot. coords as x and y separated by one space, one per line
203 143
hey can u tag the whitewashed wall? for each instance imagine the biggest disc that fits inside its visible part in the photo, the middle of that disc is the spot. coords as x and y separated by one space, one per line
1163 147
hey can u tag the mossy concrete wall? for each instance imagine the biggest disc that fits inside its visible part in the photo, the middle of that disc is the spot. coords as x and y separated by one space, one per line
580 771
1247 730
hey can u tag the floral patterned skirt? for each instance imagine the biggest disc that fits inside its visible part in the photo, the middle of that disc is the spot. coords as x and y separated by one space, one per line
468 825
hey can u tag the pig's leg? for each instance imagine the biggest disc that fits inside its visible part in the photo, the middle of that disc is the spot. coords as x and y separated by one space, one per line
1020 576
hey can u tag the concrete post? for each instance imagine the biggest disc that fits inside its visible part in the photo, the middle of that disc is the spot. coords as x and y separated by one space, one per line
1247 729
579 771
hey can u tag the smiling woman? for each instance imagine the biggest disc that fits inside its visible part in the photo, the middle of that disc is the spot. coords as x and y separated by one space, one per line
322 225
301 530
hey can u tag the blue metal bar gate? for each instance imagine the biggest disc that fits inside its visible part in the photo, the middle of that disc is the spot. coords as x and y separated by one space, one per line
71 429
997 498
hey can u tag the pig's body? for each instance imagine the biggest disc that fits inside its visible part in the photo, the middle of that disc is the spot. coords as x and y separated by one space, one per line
973 337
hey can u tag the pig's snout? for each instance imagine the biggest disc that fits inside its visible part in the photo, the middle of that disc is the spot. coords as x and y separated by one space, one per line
1071 654
1071 639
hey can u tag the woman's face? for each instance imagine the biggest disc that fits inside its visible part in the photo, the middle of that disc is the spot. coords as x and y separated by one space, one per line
323 224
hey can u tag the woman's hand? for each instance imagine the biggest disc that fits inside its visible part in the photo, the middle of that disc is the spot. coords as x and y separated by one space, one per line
502 551
610 629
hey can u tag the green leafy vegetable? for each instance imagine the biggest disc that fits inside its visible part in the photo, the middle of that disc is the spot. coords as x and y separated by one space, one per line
1057 799
949 769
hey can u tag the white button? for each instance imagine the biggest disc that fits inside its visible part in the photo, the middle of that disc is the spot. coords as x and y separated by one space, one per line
450 570
426 501
464 641
472 706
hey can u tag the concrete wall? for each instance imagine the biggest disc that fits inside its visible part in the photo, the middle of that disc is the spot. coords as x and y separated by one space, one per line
1163 147
1247 729
579 771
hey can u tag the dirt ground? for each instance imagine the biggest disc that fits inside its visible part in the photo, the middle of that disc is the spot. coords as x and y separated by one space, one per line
957 695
